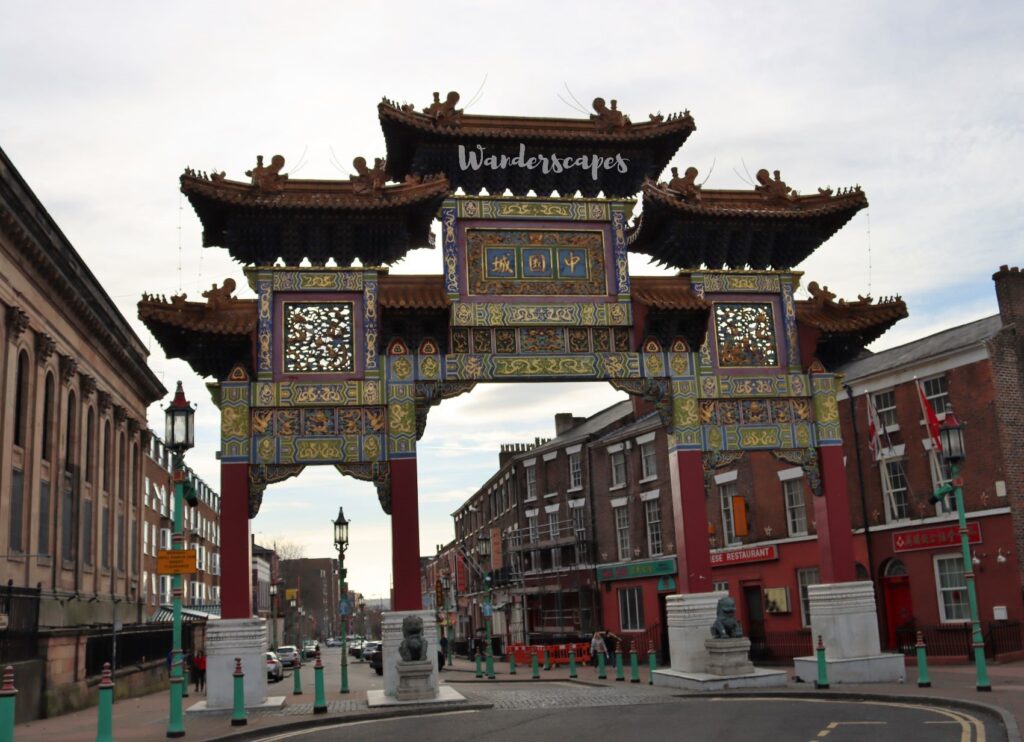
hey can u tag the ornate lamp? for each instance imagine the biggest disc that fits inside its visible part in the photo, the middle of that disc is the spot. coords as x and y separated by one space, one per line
951 435
341 544
341 531
179 417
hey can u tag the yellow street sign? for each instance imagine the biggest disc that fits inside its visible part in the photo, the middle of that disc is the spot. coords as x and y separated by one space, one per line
291 593
170 562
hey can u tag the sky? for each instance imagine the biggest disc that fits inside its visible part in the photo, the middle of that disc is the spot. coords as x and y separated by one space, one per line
103 104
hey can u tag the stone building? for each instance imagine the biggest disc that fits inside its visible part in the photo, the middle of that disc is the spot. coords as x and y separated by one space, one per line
315 615
74 390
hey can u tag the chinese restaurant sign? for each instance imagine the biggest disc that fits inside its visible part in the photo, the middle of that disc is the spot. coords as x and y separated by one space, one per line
935 538
636 571
744 556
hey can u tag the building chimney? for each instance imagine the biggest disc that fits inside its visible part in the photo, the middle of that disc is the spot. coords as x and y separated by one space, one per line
564 422
1010 296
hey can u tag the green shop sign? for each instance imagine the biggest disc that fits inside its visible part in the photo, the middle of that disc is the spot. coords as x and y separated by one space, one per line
636 570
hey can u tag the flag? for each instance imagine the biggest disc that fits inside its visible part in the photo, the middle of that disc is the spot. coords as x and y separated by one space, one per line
874 428
930 418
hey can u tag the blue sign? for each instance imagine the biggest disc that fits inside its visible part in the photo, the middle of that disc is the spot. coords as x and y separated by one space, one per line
344 607
487 610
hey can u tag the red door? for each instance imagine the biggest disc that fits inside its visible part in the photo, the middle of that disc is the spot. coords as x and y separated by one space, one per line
899 609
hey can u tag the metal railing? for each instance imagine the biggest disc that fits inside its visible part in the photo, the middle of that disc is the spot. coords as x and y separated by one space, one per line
20 640
953 640
780 647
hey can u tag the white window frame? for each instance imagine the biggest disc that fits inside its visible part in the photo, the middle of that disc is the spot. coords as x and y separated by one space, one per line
648 461
794 495
617 469
575 471
655 543
957 559
941 393
887 417
621 515
531 483
165 538
726 491
631 608
533 527
803 583
890 493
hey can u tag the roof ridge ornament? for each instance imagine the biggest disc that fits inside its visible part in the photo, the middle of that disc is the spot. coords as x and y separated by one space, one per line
444 113
218 298
773 189
269 177
685 187
608 119
369 180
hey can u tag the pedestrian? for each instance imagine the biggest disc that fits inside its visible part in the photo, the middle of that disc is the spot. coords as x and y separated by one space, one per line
610 642
444 650
597 646
199 671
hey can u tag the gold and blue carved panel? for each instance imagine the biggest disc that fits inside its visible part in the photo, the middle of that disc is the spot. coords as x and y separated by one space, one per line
597 366
506 314
741 437
313 279
738 282
371 320
789 323
574 209
312 393
450 250
318 337
824 388
539 340
311 422
265 329
535 262
234 420
619 252
755 411
745 334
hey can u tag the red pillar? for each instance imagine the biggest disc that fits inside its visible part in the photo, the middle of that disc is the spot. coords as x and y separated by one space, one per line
235 543
832 519
405 536
691 521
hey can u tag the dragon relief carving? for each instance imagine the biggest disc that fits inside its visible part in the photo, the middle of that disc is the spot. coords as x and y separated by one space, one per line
806 459
378 473
260 475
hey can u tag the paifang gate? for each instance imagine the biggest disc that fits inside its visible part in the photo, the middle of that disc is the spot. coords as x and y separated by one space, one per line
340 365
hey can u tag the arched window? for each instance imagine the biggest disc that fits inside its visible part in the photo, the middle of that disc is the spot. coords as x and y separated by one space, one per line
48 427
122 466
69 485
90 444
895 568
70 451
108 456
21 400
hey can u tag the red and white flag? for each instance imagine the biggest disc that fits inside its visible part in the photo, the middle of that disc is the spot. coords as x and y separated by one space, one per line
874 429
930 418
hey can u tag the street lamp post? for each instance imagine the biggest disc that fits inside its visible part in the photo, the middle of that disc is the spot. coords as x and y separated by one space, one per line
179 436
487 616
449 628
273 615
951 436
295 621
341 544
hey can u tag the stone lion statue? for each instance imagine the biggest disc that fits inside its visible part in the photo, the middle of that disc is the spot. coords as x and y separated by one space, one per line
726 626
413 647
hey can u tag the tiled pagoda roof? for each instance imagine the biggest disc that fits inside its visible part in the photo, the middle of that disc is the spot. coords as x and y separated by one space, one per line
771 226
843 329
428 140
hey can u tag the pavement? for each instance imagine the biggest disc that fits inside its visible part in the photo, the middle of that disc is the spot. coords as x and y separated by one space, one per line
145 718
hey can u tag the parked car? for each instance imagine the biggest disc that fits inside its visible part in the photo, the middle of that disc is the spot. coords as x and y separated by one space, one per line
288 654
275 668
355 647
377 659
309 649
333 642
369 648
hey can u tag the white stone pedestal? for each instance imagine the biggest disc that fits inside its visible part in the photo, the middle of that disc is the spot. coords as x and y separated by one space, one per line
689 623
391 634
227 638
843 615
414 681
729 656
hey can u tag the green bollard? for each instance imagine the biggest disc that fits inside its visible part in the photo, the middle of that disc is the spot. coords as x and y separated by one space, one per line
238 718
601 673
547 660
652 663
489 663
822 681
105 722
619 674
536 667
511 664
319 700
8 696
634 664
572 663
923 681
296 676
479 666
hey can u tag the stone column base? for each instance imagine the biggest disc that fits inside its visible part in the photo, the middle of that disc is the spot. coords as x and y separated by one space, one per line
689 619
729 656
227 638
391 634
879 668
414 681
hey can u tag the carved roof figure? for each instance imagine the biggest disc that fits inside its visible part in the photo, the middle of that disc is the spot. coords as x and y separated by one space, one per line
610 118
444 113
218 298
686 186
772 189
822 295
267 178
369 180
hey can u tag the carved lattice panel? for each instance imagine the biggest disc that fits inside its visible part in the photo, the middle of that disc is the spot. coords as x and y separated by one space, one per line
318 337
746 334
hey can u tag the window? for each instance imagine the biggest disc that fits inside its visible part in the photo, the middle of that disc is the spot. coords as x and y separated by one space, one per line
936 391
135 546
622 531
575 471
17 510
894 485
87 533
105 539
145 538
553 524
952 588
796 508
885 406
720 587
108 456
578 525
534 529
47 448
648 464
727 493
121 543
631 608
652 512
805 578
67 523
21 404
44 517
90 445
531 483
70 454
617 461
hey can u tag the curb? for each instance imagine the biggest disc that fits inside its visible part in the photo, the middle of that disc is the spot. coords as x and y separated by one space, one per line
1007 719
329 720
537 681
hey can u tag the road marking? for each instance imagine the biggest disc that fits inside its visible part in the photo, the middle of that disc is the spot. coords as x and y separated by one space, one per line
346 724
